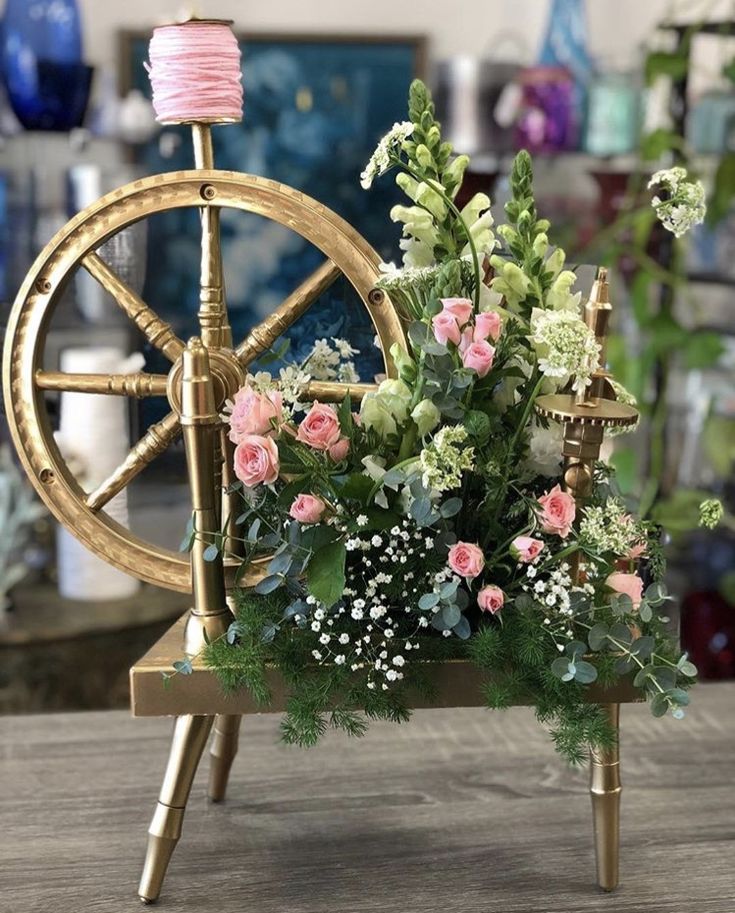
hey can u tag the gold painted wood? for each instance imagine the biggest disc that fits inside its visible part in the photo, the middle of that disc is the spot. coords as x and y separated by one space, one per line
155 330
327 391
605 790
75 245
262 337
136 385
154 441
458 683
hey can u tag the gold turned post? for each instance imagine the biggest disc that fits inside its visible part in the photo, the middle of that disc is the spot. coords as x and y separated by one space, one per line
585 416
189 739
605 790
222 754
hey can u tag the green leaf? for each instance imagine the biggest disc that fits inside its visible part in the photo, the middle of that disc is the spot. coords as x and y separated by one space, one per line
723 190
344 413
659 704
447 590
597 637
325 574
620 634
688 669
703 350
189 536
356 486
645 612
451 615
450 507
560 667
663 63
462 628
210 552
268 584
643 647
585 672
183 666
428 601
657 142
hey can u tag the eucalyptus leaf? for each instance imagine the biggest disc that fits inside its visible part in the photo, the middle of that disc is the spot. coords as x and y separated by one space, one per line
210 552
462 628
428 601
585 672
451 615
268 584
597 637
450 508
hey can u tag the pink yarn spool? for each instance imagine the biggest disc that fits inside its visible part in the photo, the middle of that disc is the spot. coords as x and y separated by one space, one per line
195 73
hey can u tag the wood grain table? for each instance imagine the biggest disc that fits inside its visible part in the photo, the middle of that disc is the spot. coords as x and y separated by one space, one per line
460 810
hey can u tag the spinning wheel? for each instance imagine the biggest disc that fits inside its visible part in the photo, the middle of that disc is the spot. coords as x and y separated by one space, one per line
25 380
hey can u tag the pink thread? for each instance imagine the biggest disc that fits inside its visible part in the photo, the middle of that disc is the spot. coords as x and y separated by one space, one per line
195 72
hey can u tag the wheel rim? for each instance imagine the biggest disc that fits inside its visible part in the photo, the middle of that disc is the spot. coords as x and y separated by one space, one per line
36 300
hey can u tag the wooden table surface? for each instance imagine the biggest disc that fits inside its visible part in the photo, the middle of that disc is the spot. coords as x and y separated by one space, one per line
460 810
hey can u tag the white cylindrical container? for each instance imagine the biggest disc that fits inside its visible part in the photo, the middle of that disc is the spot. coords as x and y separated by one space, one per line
93 436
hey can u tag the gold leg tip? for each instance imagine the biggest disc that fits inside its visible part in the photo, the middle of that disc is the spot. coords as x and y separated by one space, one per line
147 901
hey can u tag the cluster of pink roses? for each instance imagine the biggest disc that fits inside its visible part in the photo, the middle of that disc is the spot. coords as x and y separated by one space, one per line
467 560
452 324
255 420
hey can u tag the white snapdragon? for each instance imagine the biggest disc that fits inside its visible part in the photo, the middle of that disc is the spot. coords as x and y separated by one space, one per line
390 145
685 204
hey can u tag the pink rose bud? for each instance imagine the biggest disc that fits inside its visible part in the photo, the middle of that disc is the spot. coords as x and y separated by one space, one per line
557 512
627 584
307 509
525 549
256 460
340 450
255 413
466 339
319 427
446 329
466 559
478 356
459 308
491 599
487 326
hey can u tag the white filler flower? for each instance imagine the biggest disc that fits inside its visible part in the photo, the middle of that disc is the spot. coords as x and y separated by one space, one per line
380 160
684 206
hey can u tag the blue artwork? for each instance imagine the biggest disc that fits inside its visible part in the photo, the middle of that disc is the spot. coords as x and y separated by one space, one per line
314 111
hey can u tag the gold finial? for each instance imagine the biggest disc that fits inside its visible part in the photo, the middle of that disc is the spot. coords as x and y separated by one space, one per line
597 312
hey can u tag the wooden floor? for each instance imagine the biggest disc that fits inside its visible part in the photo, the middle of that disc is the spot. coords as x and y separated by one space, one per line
458 811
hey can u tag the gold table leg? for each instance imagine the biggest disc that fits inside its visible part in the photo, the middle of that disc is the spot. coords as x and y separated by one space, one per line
222 754
605 790
190 737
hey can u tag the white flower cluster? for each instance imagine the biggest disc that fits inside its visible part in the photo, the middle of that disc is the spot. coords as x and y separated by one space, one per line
552 592
565 346
332 362
445 459
364 632
610 528
685 205
380 160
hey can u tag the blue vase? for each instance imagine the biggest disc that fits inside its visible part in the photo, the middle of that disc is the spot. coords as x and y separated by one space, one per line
565 45
48 85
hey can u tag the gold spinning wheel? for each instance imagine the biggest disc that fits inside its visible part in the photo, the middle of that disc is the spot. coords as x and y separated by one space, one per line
25 380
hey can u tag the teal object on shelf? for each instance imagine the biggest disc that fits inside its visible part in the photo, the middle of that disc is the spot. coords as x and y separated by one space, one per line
47 82
613 114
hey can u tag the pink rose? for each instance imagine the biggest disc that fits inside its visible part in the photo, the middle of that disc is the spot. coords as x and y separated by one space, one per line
255 413
557 512
487 326
466 559
491 599
446 329
340 450
307 509
319 427
628 584
459 308
526 549
256 460
478 356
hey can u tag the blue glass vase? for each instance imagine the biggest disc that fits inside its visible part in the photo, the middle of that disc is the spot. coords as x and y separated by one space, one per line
47 82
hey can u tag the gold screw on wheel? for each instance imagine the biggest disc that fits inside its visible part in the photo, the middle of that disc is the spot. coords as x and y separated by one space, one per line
24 380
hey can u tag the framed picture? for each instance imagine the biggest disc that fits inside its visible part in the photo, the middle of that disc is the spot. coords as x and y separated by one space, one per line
315 107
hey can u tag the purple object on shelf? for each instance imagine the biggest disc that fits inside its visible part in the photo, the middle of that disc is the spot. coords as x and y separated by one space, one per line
548 119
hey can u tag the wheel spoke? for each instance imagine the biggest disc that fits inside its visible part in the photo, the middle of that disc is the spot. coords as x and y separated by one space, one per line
156 331
136 385
332 392
153 442
262 337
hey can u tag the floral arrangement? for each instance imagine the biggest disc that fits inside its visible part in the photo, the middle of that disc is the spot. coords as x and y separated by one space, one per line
432 523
